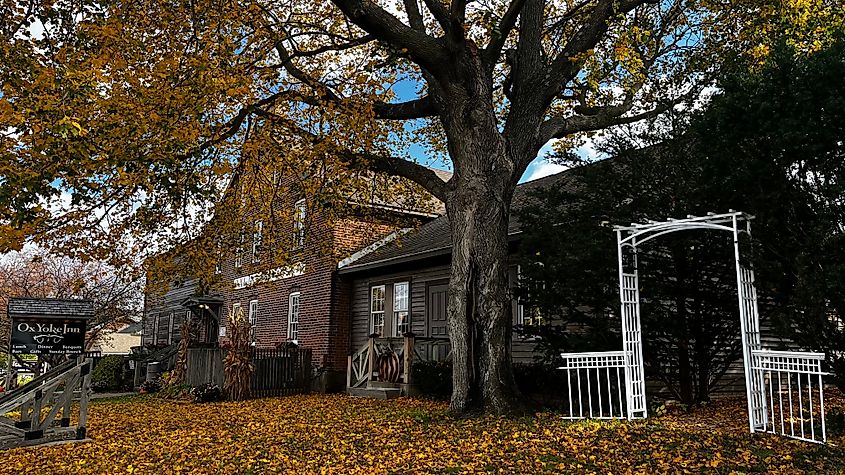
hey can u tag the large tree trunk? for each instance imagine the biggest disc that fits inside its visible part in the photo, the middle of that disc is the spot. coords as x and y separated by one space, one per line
480 317
478 205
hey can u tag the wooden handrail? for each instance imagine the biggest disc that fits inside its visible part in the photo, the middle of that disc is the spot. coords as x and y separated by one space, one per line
8 395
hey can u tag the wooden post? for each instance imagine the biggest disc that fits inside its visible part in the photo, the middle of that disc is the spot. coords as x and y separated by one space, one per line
409 356
85 372
371 360
349 371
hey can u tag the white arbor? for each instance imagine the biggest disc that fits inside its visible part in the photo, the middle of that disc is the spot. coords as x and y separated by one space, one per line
783 388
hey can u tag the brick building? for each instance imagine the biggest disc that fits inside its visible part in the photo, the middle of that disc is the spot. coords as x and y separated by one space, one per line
297 299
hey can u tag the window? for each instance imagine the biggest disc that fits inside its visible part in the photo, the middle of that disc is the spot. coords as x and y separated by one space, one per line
170 329
299 223
293 317
401 322
235 307
256 240
239 250
377 309
218 265
253 319
527 315
155 329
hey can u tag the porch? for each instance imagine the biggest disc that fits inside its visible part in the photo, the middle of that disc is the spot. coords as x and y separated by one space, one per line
383 367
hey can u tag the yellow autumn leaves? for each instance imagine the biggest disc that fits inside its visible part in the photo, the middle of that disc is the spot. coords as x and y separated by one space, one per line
338 434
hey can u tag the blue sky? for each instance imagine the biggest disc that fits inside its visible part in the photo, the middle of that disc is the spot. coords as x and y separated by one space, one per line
406 90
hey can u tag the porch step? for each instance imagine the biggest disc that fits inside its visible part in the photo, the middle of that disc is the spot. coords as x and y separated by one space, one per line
375 393
382 385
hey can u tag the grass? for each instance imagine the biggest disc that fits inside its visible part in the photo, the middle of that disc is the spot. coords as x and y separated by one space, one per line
338 434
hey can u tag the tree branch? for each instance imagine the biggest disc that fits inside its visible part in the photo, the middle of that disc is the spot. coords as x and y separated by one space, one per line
412 9
561 127
422 48
563 69
423 176
438 11
506 25
415 109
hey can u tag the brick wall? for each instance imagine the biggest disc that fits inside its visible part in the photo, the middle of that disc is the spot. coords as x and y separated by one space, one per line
324 313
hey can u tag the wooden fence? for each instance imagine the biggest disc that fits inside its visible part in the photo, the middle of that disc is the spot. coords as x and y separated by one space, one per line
205 365
279 372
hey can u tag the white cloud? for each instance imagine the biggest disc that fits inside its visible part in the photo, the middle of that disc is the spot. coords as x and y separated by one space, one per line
541 168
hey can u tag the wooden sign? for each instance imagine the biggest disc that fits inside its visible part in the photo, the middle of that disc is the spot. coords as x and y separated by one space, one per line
40 336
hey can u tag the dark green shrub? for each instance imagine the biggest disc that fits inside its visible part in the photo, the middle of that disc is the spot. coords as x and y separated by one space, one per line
152 386
837 369
542 385
433 378
108 374
175 391
835 420
207 392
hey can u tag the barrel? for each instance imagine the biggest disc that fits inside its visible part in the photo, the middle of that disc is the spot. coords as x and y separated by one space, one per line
153 370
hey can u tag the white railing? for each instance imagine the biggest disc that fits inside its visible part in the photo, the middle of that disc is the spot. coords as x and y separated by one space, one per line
794 393
600 378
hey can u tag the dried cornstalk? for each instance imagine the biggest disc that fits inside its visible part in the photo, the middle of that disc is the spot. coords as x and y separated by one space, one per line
237 365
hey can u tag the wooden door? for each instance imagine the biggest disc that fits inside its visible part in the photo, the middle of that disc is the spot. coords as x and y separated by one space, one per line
438 324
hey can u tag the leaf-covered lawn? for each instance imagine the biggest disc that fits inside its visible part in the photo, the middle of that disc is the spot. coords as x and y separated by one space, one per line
339 434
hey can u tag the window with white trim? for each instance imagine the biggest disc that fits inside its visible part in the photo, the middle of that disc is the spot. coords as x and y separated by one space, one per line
377 309
256 240
293 317
299 223
253 319
401 317
239 250
235 307
530 316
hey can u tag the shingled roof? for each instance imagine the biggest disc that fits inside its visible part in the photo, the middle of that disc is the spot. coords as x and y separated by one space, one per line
58 308
435 238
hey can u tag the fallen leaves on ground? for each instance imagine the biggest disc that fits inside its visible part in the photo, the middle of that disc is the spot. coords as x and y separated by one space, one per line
340 434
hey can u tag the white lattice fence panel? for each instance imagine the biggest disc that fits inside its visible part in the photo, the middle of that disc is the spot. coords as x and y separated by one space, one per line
595 385
793 394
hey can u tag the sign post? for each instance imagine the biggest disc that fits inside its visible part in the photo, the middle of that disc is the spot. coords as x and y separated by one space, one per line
54 329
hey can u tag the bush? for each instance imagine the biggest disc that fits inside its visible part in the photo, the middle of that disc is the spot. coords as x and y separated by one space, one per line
108 374
175 391
207 392
543 385
433 378
152 386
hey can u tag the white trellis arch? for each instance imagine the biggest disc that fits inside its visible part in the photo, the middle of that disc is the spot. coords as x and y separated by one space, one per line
775 381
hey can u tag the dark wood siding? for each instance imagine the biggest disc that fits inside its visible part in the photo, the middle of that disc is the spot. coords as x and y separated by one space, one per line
420 280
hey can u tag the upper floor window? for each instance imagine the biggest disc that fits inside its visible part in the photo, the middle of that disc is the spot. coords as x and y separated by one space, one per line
299 223
401 320
257 235
239 250
293 317
377 309
253 319
218 264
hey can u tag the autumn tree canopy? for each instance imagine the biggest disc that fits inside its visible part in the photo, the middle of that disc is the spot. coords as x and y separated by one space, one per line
124 118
